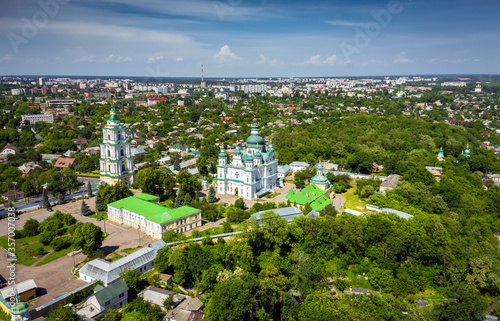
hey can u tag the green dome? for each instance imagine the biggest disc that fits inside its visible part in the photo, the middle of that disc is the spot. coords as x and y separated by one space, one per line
255 139
319 179
112 117
222 155
257 155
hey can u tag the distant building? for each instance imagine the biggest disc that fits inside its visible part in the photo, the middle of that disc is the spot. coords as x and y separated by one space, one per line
436 171
298 166
440 155
9 149
178 148
48 118
389 183
64 162
26 290
466 152
283 171
154 101
478 89
288 213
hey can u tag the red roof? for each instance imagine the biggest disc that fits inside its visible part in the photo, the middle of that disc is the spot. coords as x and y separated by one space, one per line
11 147
161 98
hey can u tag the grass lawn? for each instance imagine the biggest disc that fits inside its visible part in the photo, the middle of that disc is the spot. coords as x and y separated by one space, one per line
114 256
352 200
29 239
22 256
32 247
272 195
131 250
99 215
54 256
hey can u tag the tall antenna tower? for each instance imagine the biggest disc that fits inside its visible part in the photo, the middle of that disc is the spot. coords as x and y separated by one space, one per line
203 84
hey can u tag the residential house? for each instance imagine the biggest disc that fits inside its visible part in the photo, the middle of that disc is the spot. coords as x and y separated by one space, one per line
8 149
26 168
288 213
495 178
79 141
138 141
12 195
113 296
389 183
178 148
137 151
64 162
436 171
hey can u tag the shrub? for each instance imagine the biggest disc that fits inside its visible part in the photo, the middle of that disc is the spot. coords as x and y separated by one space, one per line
47 236
60 243
38 249
31 227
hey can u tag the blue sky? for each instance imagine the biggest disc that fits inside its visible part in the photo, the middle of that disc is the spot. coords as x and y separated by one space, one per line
243 38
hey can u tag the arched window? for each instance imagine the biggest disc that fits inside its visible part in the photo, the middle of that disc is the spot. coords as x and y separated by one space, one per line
109 137
109 153
121 151
119 136
123 167
109 168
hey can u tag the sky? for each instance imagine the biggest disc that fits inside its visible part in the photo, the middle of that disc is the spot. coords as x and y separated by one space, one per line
249 38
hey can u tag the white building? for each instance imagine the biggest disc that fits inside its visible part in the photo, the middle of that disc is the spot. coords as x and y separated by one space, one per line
298 166
48 118
116 162
9 149
252 173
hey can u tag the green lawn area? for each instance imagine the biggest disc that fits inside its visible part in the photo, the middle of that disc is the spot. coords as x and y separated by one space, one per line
29 239
131 250
22 256
210 231
352 200
115 256
32 247
272 195
54 256
99 215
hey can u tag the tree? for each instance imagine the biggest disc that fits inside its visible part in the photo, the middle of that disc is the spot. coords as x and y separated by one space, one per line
161 261
167 303
150 180
177 165
31 227
240 203
28 188
113 193
202 166
89 189
45 200
112 315
179 201
63 313
99 201
463 304
85 209
307 208
133 279
211 194
88 237
226 227
60 198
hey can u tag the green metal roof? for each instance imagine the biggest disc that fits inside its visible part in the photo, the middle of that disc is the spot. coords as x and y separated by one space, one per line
146 196
153 212
306 195
113 290
320 203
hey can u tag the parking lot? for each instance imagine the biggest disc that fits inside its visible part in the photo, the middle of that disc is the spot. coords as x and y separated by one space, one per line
55 277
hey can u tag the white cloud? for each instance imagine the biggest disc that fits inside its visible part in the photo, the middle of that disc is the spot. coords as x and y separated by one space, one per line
476 60
180 58
123 59
154 59
401 58
86 59
313 60
225 55
275 62
345 23
331 60
262 60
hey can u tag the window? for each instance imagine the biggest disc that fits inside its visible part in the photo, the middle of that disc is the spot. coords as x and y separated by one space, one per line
109 137
123 168
107 303
121 151
109 153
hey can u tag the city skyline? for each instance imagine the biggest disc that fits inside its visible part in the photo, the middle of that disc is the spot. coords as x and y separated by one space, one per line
240 38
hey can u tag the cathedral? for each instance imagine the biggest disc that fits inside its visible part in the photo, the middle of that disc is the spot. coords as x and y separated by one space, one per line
251 173
116 162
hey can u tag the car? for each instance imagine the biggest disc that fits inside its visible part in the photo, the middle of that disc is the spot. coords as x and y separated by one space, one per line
50 209
17 218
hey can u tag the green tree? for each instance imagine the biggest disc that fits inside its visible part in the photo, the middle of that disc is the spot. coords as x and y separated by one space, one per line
211 194
88 237
161 261
89 189
31 227
112 315
463 304
99 201
85 209
133 279
113 193
240 203
307 208
45 200
60 198
179 201
63 313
